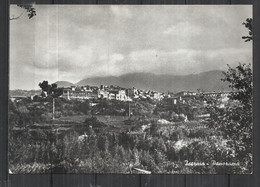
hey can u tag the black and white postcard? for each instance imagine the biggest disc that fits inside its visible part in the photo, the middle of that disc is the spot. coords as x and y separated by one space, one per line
130 89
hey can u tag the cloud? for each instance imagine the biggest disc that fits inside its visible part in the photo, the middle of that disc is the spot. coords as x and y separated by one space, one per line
74 42
183 28
121 11
108 64
186 61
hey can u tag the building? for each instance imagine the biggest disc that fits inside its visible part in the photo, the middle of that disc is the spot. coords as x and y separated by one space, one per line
83 92
156 95
103 94
215 94
174 100
73 88
131 92
111 95
121 95
186 93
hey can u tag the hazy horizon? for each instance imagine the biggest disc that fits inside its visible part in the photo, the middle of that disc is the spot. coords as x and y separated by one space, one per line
73 42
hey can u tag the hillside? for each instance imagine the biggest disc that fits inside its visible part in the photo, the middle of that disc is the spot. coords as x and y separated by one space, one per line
64 83
207 81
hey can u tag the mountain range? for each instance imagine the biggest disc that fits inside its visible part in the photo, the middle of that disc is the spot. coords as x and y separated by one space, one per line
206 81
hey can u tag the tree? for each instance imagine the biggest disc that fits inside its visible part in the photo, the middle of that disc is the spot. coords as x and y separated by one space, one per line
28 8
236 122
241 81
52 91
248 24
241 77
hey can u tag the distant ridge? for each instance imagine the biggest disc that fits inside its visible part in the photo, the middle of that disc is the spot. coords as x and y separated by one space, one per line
64 83
206 81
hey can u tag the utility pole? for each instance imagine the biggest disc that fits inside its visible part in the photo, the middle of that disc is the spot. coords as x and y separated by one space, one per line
129 112
53 108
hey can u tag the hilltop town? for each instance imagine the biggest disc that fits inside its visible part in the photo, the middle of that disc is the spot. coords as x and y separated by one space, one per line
184 105
109 92
113 92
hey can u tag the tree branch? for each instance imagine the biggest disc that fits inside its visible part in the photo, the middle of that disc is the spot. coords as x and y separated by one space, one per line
14 18
29 8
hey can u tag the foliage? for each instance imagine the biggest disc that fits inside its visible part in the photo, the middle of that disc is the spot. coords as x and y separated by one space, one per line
173 112
31 12
83 107
240 79
93 121
52 90
249 25
26 113
236 122
162 150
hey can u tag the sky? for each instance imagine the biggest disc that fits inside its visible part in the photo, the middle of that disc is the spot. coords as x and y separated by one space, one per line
73 42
